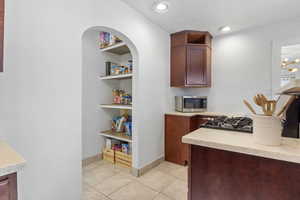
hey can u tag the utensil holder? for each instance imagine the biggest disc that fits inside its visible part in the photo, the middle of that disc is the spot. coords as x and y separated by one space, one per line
267 130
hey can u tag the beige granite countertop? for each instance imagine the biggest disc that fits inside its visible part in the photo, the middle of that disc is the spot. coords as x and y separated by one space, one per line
209 114
244 143
10 161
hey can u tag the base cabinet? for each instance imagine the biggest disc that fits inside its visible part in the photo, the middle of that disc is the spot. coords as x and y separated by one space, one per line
217 174
8 187
175 128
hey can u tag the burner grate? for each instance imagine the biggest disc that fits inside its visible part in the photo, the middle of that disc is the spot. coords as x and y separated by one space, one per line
240 124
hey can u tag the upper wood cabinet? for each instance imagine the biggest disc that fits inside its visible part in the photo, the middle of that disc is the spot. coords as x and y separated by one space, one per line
191 59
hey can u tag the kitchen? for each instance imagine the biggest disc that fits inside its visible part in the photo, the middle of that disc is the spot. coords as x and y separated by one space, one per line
60 108
238 156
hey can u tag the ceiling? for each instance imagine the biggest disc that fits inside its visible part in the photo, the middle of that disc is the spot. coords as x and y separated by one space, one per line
209 15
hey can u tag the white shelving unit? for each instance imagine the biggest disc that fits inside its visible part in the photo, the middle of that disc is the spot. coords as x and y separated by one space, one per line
119 48
123 76
116 106
118 136
118 53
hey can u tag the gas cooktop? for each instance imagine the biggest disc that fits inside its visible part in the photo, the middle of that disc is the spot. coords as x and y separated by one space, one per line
241 124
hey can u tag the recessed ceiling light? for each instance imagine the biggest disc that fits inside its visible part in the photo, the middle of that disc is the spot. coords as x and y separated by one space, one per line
225 29
161 6
297 60
286 59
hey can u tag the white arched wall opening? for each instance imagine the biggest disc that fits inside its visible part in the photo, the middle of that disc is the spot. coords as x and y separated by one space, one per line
93 89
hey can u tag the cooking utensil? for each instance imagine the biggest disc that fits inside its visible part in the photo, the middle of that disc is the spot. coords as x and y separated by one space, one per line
286 105
249 106
257 100
260 99
269 107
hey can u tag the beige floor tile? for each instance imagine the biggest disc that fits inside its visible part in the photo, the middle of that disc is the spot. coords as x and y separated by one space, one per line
157 180
134 191
123 169
90 166
113 183
180 173
98 175
177 190
162 197
91 194
166 167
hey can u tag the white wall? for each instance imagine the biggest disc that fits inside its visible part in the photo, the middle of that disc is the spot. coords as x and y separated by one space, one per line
40 102
241 66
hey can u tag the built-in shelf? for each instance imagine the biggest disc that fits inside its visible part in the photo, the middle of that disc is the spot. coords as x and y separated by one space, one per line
116 135
116 106
119 48
123 76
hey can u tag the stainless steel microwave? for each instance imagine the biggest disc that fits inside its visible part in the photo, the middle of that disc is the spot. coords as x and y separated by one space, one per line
190 104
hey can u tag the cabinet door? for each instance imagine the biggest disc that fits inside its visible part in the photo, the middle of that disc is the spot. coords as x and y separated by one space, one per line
197 60
178 69
175 128
8 187
4 190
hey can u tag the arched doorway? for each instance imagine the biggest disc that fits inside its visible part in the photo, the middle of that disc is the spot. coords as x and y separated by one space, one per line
97 91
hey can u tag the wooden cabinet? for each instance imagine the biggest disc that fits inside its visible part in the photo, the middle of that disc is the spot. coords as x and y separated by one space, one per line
191 59
218 174
8 187
175 128
4 190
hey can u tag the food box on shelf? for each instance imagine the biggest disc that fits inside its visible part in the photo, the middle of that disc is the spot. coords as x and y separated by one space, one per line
109 155
123 159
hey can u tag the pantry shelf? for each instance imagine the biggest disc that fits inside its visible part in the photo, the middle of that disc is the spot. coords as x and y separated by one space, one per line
116 106
123 76
116 135
119 48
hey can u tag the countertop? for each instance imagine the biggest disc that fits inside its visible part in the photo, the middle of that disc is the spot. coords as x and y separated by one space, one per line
10 161
206 114
244 143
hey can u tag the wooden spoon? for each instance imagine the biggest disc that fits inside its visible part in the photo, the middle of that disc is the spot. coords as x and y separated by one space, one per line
286 106
256 100
249 106
269 107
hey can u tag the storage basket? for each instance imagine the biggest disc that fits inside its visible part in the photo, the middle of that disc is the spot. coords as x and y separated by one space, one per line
123 159
109 155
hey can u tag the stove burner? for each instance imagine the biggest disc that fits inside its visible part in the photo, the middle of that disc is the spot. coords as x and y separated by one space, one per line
242 124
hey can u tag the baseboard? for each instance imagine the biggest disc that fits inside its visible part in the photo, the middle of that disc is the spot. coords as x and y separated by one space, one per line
142 171
92 159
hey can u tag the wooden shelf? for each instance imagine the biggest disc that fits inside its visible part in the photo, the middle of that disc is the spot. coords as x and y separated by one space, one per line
119 48
116 106
116 135
123 76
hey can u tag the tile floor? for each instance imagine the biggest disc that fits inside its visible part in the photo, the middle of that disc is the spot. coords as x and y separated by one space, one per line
104 181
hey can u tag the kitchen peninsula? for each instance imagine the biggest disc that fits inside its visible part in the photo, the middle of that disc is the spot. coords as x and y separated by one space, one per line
230 166
10 163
